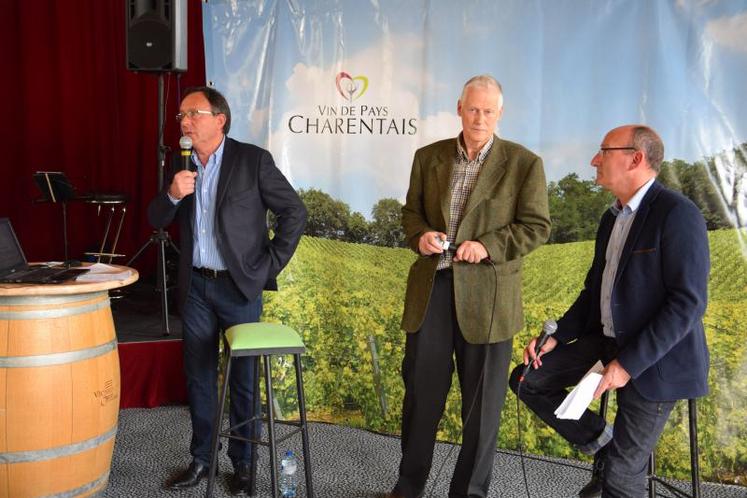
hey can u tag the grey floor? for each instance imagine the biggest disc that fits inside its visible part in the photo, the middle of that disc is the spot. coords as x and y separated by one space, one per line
154 443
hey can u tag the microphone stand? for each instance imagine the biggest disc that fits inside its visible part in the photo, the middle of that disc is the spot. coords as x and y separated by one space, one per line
160 237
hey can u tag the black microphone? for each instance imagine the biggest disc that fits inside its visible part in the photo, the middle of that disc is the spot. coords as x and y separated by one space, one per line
186 145
548 329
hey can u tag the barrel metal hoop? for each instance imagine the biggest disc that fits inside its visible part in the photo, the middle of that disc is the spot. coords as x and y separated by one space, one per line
53 313
51 359
82 489
47 299
58 451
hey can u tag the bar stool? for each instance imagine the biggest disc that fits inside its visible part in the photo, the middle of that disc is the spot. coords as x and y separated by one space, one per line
263 340
111 201
653 479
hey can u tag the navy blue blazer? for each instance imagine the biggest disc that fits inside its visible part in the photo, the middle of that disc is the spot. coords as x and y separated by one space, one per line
658 298
249 185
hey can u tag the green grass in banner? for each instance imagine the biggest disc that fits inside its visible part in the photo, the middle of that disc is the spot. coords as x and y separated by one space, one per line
346 299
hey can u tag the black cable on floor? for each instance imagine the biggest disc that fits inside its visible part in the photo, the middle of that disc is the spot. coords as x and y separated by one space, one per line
521 439
479 382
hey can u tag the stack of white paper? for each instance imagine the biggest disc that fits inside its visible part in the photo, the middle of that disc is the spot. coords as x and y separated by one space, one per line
99 272
580 398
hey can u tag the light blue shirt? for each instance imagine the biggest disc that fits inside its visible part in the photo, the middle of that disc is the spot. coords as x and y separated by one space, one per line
205 252
624 216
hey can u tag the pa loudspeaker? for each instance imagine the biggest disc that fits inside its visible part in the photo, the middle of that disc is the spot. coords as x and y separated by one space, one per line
156 35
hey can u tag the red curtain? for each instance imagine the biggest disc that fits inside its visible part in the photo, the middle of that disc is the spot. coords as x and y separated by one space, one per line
152 374
70 105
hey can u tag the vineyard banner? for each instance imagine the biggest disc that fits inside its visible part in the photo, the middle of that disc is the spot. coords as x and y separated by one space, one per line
342 92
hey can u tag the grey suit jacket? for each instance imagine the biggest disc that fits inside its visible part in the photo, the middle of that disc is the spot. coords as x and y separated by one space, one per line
507 212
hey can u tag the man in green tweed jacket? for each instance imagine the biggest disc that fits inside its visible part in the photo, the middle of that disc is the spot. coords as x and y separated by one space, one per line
488 198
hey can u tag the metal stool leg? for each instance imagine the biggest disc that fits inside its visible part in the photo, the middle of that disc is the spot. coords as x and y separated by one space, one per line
271 426
258 413
604 401
304 426
653 479
692 410
652 476
113 250
217 424
106 234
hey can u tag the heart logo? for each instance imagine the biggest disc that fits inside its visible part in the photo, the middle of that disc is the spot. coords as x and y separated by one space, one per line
351 88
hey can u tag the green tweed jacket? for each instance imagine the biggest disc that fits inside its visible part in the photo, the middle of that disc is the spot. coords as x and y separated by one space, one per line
507 212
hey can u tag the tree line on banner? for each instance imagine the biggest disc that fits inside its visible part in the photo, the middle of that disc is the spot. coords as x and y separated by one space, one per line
575 205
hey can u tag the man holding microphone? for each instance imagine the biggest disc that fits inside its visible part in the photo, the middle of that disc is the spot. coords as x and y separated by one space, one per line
488 198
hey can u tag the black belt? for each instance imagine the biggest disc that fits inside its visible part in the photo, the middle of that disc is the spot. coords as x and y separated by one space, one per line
210 273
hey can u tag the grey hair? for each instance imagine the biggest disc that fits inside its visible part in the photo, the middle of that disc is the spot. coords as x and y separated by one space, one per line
484 81
647 140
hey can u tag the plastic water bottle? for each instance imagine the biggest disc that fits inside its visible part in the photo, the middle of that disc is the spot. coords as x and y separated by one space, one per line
288 467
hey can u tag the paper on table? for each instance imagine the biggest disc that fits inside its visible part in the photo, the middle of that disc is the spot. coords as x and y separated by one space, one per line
99 272
579 399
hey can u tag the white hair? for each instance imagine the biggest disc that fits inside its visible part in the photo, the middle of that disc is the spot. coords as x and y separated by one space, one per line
484 81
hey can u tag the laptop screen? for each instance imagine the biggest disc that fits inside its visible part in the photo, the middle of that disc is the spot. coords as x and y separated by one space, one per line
11 254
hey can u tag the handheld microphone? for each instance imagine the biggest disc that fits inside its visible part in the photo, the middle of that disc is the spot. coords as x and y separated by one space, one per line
185 143
447 246
548 329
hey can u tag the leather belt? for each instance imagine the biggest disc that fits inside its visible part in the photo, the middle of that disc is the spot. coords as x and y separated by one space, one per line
210 273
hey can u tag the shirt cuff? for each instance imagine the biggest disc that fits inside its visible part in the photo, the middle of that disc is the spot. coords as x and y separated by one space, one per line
173 200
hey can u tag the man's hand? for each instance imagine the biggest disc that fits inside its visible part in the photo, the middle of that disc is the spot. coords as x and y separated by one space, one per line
613 376
183 184
529 354
430 243
471 251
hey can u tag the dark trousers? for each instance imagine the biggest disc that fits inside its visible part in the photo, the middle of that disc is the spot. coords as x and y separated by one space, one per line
427 370
638 424
213 305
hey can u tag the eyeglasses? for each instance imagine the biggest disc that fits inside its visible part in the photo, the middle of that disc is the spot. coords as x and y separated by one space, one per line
192 113
602 150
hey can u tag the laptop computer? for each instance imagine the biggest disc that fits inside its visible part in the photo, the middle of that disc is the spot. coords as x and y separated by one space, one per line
15 269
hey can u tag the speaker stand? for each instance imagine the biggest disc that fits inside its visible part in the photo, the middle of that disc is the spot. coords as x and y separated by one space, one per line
160 237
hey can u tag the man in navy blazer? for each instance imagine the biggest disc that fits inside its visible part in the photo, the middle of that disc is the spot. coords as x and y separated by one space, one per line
227 259
640 313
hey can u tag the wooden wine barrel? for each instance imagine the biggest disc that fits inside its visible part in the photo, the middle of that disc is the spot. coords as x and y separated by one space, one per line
59 390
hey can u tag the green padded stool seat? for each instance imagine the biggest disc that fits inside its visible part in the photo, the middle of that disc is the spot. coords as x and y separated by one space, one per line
263 340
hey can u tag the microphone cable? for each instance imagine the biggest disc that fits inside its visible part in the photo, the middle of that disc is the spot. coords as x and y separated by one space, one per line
548 329
519 436
482 372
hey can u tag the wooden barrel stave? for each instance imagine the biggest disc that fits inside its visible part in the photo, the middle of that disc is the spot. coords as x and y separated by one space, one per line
59 395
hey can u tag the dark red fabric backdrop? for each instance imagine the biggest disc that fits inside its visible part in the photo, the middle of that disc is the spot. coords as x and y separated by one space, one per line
70 105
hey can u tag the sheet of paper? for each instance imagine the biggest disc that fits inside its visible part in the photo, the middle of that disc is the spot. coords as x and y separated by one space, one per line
580 397
99 272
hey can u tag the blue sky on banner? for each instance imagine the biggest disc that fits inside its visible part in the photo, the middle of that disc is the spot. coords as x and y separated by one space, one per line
343 92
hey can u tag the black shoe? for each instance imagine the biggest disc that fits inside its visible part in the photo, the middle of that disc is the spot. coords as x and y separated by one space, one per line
242 481
593 488
397 494
190 477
